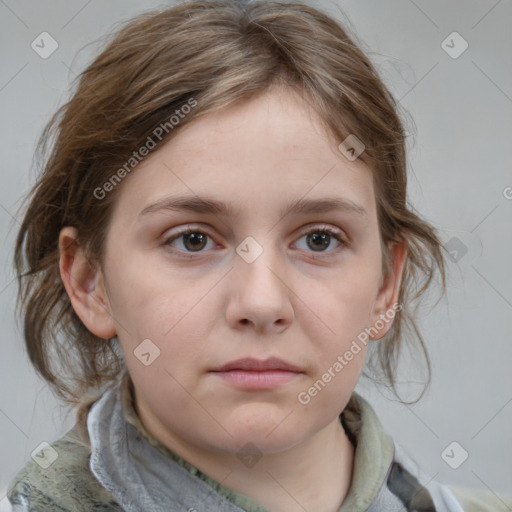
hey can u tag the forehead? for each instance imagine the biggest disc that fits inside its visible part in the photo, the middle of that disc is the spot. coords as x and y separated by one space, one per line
264 153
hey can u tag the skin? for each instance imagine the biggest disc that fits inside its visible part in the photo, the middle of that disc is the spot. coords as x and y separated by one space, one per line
304 304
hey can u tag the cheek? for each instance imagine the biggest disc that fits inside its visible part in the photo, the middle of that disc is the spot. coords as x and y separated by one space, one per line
338 308
162 305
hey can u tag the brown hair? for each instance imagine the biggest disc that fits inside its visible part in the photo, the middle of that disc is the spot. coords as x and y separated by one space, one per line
217 52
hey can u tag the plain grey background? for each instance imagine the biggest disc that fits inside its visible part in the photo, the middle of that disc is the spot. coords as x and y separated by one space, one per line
460 181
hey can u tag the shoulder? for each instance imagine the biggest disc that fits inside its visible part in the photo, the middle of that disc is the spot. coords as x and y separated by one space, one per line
404 481
481 501
58 479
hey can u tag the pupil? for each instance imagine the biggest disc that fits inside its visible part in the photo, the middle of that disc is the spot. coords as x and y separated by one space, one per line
322 239
195 239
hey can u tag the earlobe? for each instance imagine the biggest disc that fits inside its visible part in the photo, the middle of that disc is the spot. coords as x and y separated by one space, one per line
84 285
386 303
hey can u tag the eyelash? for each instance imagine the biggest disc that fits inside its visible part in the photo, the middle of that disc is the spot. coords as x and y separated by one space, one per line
317 229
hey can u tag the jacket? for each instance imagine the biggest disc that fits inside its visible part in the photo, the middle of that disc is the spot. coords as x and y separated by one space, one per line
113 464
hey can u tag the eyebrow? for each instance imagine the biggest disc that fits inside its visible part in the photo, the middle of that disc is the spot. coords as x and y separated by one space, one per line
299 206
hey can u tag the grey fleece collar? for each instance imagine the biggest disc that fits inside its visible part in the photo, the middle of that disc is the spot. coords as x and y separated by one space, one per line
141 478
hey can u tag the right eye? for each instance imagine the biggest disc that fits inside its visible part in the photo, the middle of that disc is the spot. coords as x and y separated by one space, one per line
192 240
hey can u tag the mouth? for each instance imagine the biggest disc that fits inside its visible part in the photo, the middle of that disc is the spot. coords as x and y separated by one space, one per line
249 373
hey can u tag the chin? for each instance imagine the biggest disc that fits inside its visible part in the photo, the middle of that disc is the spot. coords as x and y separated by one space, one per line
270 431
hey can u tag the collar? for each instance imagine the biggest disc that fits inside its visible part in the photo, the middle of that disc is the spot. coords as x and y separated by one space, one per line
143 474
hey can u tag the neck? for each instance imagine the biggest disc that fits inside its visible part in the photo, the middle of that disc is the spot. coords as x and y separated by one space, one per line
314 475
320 478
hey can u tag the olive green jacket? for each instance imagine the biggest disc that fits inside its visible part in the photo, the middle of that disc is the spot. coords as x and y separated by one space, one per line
112 463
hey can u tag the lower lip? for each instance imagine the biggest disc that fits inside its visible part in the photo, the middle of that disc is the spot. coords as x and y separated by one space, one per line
257 379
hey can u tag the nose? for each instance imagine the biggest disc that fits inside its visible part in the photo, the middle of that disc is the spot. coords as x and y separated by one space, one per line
260 295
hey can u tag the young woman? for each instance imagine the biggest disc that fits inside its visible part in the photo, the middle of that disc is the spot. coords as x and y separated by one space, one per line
220 231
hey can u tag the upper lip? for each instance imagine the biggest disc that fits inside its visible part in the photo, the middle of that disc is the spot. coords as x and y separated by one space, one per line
251 364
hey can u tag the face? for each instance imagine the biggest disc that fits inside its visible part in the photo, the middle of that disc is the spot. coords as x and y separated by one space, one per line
250 280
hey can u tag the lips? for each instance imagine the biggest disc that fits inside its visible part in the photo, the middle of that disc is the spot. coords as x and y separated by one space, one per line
256 365
250 374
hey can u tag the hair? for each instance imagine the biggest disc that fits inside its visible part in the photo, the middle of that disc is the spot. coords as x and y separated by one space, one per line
217 52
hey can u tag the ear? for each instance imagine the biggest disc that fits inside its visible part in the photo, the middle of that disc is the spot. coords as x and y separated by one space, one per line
386 303
85 285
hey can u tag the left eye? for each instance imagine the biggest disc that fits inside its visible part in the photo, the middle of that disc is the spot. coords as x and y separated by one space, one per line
195 240
321 238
